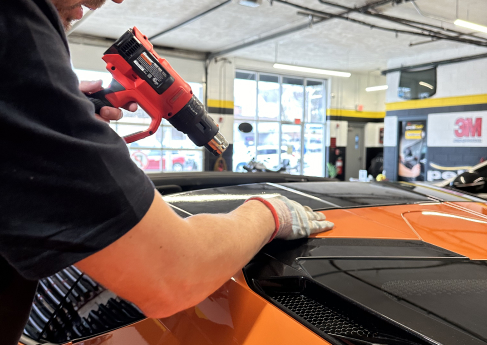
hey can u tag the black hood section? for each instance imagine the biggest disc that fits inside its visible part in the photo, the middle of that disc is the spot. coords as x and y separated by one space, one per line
317 195
375 291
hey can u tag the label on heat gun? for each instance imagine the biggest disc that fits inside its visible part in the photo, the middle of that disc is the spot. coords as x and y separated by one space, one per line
155 74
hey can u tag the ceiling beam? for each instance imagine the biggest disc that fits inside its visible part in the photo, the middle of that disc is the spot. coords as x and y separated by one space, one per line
407 22
435 63
422 32
198 16
282 33
260 40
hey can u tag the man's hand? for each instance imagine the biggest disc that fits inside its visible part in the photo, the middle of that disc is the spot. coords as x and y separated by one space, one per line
107 114
294 220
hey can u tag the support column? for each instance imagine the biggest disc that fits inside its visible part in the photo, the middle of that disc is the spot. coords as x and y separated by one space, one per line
221 74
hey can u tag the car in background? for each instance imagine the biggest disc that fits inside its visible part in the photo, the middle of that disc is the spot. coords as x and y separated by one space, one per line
393 271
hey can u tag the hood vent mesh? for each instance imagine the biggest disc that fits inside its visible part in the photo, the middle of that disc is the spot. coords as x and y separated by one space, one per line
332 316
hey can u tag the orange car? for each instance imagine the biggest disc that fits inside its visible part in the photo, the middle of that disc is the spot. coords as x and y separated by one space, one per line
406 264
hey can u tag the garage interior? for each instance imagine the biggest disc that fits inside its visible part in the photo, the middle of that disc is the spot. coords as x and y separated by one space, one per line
312 122
314 97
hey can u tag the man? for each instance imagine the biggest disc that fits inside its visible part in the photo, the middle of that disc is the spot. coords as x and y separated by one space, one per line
71 195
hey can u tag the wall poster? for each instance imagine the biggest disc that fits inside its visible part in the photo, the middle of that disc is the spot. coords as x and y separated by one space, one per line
412 151
456 143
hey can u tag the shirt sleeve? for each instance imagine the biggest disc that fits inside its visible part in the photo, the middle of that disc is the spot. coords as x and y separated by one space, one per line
68 187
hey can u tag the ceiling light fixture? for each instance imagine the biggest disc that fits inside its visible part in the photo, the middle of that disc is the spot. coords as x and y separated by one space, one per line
429 86
250 3
377 88
472 26
312 70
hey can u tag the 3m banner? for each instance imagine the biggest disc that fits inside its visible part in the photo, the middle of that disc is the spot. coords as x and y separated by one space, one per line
462 129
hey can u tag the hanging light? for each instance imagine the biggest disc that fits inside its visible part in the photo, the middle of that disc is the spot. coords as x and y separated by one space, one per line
470 25
377 88
250 3
312 70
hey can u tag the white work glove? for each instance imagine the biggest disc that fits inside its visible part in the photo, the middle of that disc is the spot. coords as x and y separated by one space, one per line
293 220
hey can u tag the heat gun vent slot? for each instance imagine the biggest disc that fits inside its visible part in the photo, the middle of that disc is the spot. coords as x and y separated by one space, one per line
130 47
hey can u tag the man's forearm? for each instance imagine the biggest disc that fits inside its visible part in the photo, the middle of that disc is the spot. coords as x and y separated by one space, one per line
217 247
241 233
167 264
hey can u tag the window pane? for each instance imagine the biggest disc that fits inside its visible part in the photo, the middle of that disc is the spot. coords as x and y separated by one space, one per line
197 91
292 101
147 160
94 75
268 101
268 144
173 139
153 141
177 161
291 148
417 84
315 99
314 163
245 91
243 146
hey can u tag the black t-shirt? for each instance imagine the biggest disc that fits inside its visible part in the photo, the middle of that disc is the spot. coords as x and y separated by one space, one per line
68 187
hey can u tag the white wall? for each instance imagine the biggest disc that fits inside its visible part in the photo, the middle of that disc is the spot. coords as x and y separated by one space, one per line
347 93
372 134
338 130
458 79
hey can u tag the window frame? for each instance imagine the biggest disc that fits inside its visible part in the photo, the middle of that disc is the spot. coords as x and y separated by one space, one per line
256 119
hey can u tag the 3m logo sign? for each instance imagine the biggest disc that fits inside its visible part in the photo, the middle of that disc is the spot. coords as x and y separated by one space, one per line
468 127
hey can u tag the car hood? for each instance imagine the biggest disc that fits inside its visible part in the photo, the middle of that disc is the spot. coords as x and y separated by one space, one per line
404 265
411 254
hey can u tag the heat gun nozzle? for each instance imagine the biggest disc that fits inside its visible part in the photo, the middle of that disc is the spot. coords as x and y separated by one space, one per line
217 145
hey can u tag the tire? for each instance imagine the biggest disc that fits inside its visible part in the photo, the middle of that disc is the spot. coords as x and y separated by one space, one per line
177 167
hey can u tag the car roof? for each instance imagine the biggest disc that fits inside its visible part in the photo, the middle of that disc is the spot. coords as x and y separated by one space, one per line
317 195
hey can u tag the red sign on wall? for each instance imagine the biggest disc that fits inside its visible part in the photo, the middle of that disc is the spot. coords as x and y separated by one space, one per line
468 127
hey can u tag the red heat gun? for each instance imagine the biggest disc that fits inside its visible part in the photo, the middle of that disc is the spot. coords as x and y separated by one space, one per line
142 76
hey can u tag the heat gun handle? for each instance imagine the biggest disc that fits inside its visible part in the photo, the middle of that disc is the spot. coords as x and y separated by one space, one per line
117 96
99 100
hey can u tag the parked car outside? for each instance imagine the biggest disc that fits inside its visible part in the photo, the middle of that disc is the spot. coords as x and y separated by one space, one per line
150 160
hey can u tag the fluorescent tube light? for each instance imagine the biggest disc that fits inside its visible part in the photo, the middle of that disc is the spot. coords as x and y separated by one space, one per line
250 3
312 70
429 86
377 88
472 26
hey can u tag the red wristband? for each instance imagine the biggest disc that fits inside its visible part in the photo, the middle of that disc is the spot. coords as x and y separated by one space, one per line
273 211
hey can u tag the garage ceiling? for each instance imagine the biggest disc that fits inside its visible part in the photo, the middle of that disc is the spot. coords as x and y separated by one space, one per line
334 44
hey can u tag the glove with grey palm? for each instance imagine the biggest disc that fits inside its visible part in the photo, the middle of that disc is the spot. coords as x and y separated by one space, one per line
294 220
